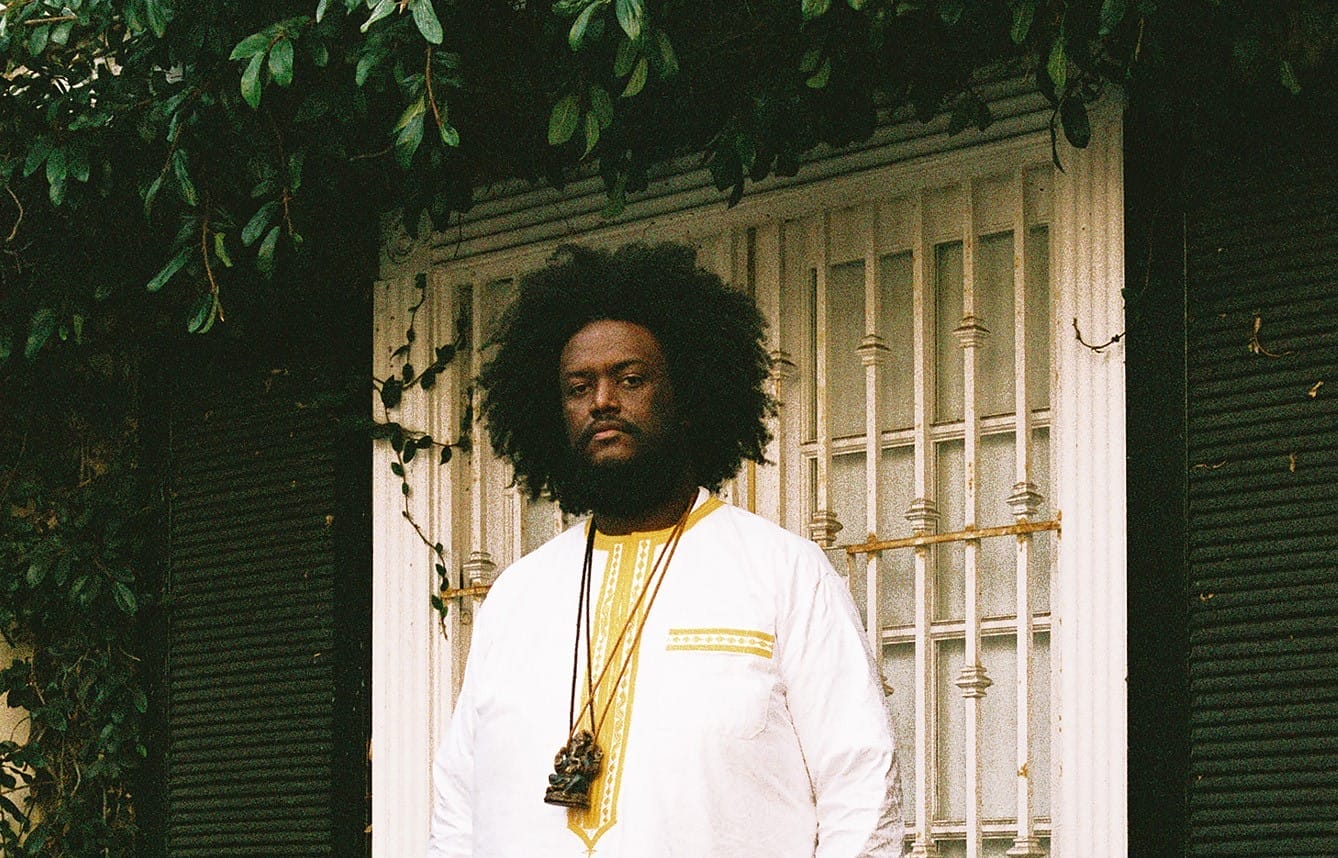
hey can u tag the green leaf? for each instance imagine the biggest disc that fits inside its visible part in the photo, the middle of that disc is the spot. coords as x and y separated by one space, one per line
819 78
601 105
815 8
256 43
638 78
221 249
37 155
251 81
408 140
625 58
152 193
1077 127
140 701
631 14
202 316
125 599
1112 13
391 393
181 170
379 11
1024 11
668 62
426 18
320 54
562 122
37 571
265 255
809 62
576 34
1058 65
591 132
37 40
258 222
172 267
1285 73
449 136
281 62
158 13
445 454
60 34
55 166
320 10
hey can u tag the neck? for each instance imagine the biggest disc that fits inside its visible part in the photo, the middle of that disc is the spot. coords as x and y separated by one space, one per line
663 514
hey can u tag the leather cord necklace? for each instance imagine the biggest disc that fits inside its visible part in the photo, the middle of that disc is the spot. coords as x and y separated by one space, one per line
579 762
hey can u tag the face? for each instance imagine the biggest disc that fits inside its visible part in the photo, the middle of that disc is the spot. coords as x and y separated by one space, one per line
616 394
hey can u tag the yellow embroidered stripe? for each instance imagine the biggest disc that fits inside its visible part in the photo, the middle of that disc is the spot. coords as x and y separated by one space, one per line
749 641
747 650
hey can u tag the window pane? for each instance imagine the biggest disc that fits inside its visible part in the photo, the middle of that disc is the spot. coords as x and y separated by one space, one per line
947 316
897 328
845 329
994 306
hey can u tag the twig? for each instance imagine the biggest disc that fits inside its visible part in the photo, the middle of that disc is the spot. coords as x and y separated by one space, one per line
13 233
1257 347
55 19
427 80
1107 344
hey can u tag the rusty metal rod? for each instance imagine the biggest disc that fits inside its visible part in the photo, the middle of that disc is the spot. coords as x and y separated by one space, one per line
956 536
461 592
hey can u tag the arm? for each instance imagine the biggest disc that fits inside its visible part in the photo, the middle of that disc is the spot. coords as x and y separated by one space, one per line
836 703
452 834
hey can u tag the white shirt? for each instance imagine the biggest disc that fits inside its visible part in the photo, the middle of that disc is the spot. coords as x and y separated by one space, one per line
751 720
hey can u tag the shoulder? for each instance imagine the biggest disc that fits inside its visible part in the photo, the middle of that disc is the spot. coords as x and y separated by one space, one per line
768 542
531 576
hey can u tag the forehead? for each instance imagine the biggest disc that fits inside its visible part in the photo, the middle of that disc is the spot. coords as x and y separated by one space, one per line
607 343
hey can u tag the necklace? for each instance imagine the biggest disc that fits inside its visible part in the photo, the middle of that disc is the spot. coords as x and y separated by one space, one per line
580 760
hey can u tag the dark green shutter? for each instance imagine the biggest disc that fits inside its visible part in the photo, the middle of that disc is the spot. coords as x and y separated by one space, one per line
1262 447
251 684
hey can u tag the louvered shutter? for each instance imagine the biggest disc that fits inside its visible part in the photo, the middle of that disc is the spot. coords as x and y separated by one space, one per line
1262 421
251 681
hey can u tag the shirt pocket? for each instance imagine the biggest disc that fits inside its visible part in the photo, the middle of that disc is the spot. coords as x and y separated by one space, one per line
712 688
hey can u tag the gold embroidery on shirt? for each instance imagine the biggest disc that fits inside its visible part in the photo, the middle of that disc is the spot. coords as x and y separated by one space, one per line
746 641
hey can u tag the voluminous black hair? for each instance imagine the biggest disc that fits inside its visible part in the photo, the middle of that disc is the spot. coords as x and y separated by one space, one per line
711 336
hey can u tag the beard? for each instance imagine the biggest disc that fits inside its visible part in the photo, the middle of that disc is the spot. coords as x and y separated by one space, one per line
622 489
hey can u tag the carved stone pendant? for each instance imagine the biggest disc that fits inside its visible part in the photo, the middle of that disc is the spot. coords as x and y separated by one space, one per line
574 770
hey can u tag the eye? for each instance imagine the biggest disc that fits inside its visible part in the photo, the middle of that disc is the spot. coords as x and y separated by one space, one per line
632 381
577 389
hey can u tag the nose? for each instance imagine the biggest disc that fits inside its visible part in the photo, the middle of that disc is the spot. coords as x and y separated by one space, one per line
605 399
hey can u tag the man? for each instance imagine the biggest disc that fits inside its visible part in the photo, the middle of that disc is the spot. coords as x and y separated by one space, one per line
674 676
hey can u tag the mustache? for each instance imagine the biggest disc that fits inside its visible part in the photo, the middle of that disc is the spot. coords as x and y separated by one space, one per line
588 433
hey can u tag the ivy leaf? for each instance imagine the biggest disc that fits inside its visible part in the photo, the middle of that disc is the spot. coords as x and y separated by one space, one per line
281 62
392 391
397 469
125 599
425 17
562 122
251 81
445 454
630 14
410 450
172 267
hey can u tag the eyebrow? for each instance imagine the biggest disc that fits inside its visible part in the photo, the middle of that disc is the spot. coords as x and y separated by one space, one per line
621 366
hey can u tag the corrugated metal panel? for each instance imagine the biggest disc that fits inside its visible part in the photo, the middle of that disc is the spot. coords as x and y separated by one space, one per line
1262 421
250 679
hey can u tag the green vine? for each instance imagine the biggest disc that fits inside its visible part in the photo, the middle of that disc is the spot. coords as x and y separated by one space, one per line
407 443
